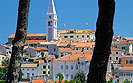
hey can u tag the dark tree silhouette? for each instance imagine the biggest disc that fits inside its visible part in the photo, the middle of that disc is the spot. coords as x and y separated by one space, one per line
104 34
18 42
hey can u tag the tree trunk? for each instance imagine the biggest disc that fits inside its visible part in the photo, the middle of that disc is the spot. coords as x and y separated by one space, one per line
104 34
18 42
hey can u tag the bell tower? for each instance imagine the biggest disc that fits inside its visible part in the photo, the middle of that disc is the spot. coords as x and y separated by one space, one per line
51 25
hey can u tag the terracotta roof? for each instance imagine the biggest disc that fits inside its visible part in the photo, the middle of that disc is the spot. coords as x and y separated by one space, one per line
75 55
121 42
2 66
64 50
129 54
35 58
62 44
42 62
50 56
129 38
39 48
83 44
30 65
29 35
115 49
76 31
125 68
34 41
38 81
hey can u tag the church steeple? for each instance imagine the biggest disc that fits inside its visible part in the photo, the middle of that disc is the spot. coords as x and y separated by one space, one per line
51 26
51 9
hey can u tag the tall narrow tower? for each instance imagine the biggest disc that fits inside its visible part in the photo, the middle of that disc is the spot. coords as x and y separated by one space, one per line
51 26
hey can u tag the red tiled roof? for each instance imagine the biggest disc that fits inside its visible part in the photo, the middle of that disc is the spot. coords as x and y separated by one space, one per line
42 62
39 48
83 44
50 56
38 81
64 49
29 35
115 49
35 58
75 55
125 68
34 41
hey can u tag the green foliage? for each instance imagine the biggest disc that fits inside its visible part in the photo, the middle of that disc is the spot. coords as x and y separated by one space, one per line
5 62
116 82
4 71
35 61
126 81
61 77
80 76
43 58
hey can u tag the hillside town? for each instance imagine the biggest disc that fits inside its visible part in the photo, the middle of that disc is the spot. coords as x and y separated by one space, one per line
68 52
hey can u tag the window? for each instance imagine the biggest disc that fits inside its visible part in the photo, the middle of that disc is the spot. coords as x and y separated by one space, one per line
87 48
48 67
124 74
116 58
71 36
131 74
88 67
32 74
66 67
27 69
71 67
54 49
123 48
77 36
65 36
49 16
82 63
62 54
110 58
77 67
66 76
56 76
71 31
49 60
23 69
61 67
129 61
44 66
116 52
87 35
50 23
76 48
32 69
71 76
82 35
48 72
44 72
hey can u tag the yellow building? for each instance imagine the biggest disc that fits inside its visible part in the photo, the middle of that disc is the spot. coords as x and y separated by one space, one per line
76 35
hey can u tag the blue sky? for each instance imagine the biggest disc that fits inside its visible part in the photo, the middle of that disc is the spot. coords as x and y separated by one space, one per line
73 13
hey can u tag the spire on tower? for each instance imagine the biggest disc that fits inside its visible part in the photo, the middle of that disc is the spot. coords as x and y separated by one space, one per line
51 9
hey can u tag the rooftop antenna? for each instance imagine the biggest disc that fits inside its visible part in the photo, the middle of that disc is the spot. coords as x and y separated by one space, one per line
64 26
87 24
